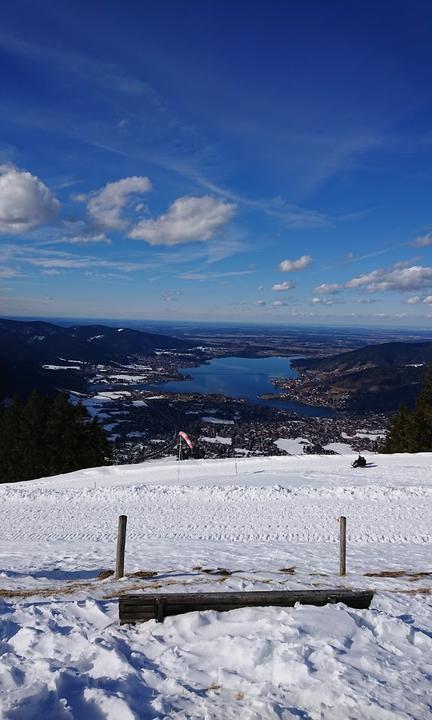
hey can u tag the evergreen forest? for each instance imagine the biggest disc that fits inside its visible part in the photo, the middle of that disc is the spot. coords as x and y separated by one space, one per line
48 436
411 431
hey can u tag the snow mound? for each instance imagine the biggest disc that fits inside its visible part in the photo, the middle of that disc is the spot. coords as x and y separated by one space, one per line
76 662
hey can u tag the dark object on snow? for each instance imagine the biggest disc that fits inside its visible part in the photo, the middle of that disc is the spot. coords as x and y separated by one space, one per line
360 462
143 607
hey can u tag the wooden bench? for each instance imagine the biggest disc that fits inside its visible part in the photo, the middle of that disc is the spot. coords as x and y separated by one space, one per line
143 607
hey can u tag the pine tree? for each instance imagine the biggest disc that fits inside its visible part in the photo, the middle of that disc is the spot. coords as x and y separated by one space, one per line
400 437
412 432
47 437
422 417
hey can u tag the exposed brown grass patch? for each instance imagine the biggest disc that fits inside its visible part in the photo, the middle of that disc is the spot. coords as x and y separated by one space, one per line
143 574
104 574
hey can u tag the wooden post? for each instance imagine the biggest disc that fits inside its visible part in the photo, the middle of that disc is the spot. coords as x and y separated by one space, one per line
121 544
342 545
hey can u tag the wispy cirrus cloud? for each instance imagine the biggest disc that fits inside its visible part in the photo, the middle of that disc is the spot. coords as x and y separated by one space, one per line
423 240
16 256
86 68
200 276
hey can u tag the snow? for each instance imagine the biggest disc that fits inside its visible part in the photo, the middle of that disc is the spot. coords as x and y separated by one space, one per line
128 378
113 395
293 446
217 421
95 337
339 448
139 403
61 367
218 440
270 523
377 435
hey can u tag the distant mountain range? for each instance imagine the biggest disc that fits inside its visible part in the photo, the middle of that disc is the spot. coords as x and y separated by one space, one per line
384 355
377 377
26 346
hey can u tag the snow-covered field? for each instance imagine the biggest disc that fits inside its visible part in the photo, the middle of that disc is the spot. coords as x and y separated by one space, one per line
255 523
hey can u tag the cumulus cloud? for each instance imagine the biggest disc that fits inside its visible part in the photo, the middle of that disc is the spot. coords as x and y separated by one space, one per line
322 301
418 299
105 206
279 303
327 288
300 264
394 278
261 302
281 287
188 219
423 240
25 201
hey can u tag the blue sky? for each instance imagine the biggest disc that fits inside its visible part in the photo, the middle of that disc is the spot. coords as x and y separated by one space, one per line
260 161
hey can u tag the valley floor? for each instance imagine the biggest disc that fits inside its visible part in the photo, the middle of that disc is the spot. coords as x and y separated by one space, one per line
258 523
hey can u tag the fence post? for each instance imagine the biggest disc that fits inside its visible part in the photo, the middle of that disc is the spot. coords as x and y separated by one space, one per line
121 544
342 545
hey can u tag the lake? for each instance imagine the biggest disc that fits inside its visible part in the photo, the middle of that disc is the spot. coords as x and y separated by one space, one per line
243 377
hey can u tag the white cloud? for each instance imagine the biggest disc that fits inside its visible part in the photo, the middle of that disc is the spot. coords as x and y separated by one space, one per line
327 288
25 201
86 239
423 240
300 264
261 302
188 219
415 300
282 287
322 301
50 272
213 275
279 303
394 278
428 300
171 295
8 273
105 206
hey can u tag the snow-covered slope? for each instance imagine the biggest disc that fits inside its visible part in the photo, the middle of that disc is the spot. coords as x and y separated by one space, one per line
257 523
